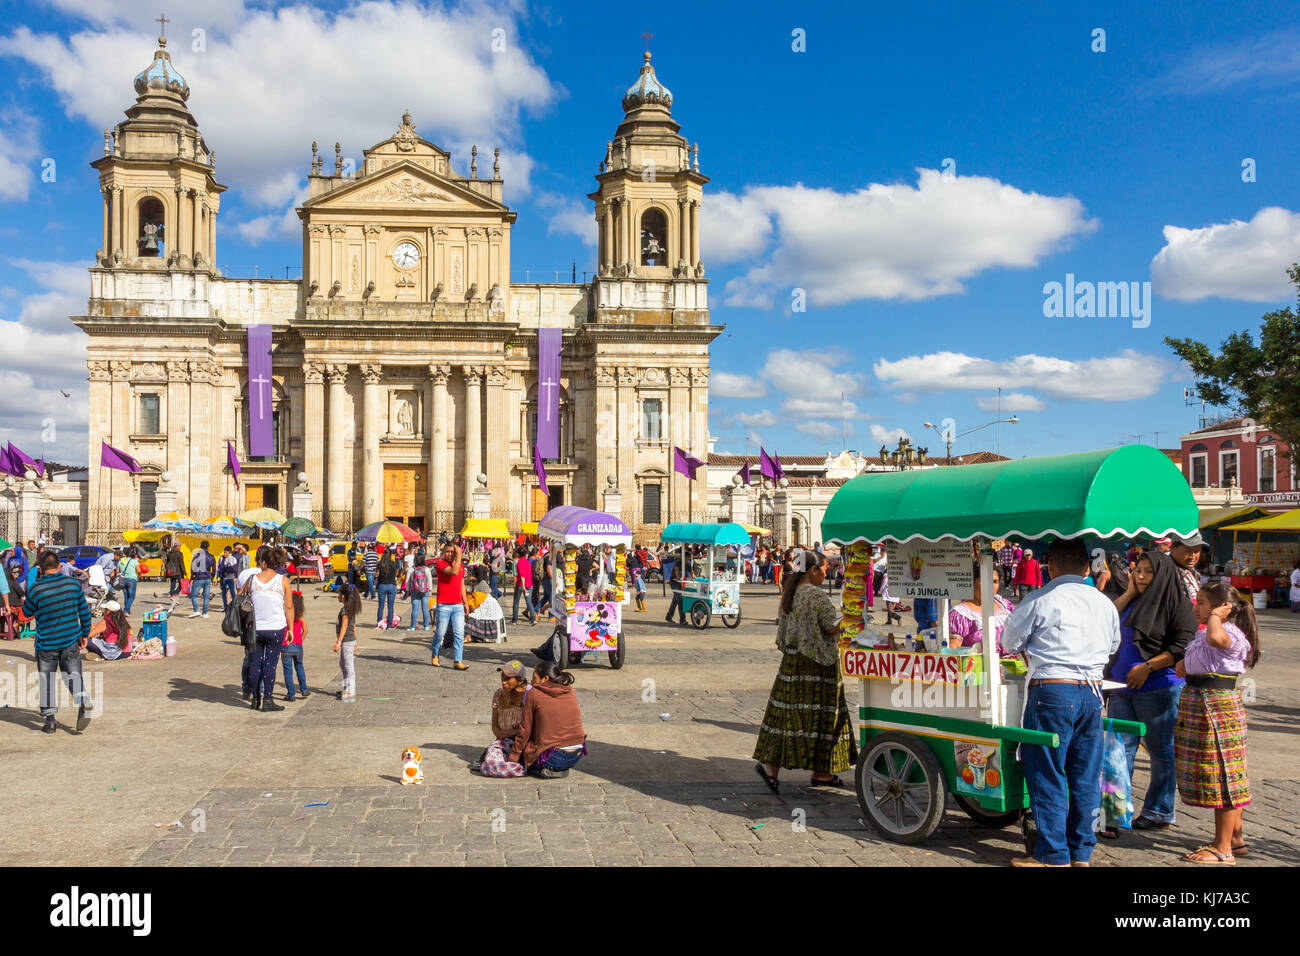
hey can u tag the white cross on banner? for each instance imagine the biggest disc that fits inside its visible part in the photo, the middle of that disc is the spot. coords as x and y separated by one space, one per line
549 344
261 431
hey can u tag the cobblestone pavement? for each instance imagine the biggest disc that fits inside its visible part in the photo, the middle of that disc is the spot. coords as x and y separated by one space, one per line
669 779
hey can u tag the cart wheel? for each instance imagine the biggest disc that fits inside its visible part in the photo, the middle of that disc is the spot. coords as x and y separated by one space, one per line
616 655
732 620
988 818
560 647
900 787
1029 831
700 614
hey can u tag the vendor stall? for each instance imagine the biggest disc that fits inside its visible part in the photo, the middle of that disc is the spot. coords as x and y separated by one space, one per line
714 587
1263 566
936 719
588 623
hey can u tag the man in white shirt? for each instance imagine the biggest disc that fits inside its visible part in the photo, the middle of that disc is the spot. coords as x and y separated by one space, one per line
1068 631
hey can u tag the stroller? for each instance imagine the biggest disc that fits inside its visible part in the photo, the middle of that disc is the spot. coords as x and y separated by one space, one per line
95 588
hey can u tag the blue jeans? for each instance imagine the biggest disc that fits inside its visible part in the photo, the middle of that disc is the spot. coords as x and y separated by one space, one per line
203 587
1158 709
558 760
453 614
227 592
370 586
494 583
388 594
1064 782
128 594
265 657
419 610
520 590
48 665
291 659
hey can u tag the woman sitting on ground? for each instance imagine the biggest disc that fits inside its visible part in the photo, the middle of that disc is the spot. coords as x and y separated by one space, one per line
110 638
550 738
507 715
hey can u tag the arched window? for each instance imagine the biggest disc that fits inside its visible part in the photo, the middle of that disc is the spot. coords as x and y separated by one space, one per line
654 238
566 425
150 243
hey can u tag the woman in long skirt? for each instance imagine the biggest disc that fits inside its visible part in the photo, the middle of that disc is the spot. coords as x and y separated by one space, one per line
806 725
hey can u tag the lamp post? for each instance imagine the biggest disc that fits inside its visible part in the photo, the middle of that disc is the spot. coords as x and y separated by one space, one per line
948 437
903 457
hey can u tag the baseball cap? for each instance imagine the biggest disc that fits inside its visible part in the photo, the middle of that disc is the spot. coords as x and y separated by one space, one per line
514 669
1165 540
1193 540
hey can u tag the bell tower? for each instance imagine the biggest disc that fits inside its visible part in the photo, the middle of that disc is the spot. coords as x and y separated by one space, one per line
650 189
158 180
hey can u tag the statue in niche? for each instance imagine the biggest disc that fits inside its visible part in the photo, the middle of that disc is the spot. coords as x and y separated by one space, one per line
405 418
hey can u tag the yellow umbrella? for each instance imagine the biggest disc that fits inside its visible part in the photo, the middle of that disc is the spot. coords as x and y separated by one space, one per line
755 529
263 514
485 528
529 527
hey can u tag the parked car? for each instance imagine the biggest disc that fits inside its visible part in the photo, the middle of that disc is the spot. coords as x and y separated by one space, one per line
82 556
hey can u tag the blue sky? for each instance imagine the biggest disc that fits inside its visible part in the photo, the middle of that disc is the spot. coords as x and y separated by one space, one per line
922 280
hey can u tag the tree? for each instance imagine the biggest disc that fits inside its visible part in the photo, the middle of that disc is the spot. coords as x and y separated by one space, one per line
1261 382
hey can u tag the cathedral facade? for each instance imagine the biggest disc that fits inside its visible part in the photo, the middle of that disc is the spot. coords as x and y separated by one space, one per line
404 361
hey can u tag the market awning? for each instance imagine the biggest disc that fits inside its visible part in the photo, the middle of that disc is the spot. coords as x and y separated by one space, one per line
485 528
570 524
1218 517
1287 522
681 532
528 527
1125 491
755 529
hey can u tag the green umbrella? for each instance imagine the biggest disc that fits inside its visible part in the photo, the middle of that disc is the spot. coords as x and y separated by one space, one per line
5 545
298 528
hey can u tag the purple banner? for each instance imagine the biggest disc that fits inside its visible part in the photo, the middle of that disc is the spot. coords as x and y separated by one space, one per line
233 461
261 434
549 343
110 457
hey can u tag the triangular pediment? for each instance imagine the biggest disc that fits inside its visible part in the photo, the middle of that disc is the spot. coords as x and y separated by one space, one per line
404 183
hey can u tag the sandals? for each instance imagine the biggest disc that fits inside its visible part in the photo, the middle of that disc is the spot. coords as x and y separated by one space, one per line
1146 823
1219 858
1243 850
834 781
770 781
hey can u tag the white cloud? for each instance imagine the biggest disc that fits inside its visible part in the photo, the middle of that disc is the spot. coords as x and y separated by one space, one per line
888 436
1012 402
821 408
19 151
1265 61
824 430
763 419
569 216
1230 260
271 82
729 385
1117 378
185 15
811 374
885 241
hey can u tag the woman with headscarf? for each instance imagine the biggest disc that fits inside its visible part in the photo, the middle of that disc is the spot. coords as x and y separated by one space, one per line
806 725
1157 623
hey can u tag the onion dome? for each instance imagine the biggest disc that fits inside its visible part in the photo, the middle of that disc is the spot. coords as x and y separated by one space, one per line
162 76
647 90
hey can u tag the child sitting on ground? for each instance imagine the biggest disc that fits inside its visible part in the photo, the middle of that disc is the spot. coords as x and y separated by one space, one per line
507 715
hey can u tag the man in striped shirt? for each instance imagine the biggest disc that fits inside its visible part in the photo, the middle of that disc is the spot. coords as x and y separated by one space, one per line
371 565
62 617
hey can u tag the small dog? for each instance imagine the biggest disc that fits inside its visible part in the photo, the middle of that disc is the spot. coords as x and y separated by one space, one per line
411 772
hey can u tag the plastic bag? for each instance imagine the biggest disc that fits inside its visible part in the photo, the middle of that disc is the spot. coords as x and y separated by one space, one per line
1116 787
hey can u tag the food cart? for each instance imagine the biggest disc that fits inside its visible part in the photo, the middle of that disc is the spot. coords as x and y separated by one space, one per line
717 590
942 720
586 625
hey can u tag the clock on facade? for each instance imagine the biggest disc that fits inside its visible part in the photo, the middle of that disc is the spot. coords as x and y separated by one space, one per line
406 255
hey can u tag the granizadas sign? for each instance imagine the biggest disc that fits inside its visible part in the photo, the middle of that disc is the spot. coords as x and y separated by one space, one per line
921 569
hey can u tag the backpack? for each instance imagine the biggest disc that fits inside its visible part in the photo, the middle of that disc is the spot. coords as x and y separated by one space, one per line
418 583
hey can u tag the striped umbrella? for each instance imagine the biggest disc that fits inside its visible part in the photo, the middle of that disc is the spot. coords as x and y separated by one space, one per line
173 521
387 532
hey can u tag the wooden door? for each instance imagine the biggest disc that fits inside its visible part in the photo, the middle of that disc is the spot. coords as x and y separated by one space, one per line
252 497
405 491
539 504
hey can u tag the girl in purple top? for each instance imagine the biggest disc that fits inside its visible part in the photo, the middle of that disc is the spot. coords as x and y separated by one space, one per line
1210 739
966 620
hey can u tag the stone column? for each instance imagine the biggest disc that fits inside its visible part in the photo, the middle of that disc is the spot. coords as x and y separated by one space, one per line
481 501
301 497
196 218
498 449
121 492
699 411
177 428
607 234
206 453
684 217
679 434
341 431
165 494
107 230
612 499
181 230
739 501
781 512
117 221
100 427
440 483
372 473
629 237
473 430
695 234
313 424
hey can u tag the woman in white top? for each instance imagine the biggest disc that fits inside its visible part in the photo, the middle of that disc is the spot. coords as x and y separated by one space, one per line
273 611
1295 588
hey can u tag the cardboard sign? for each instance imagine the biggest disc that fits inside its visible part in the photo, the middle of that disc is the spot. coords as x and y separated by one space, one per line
920 569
